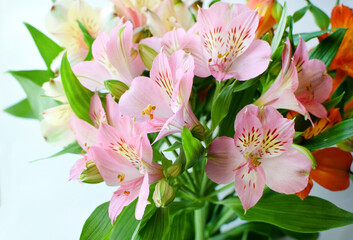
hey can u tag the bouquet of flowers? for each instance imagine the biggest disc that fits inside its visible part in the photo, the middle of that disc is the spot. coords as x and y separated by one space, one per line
200 114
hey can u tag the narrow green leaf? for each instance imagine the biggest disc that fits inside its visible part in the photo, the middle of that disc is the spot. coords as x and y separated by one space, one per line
21 109
176 145
320 17
147 54
48 49
157 226
98 226
31 82
88 40
300 13
72 148
125 224
333 102
79 97
308 36
330 137
345 87
221 105
280 29
181 227
116 88
310 215
328 48
192 147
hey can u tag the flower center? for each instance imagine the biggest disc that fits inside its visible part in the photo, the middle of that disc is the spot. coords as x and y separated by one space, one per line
149 111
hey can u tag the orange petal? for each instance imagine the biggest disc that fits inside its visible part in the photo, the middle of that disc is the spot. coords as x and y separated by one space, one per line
333 166
305 192
264 8
341 16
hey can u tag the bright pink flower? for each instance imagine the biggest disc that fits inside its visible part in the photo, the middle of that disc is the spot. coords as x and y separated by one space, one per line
281 93
161 101
259 154
114 58
123 156
314 83
86 134
227 32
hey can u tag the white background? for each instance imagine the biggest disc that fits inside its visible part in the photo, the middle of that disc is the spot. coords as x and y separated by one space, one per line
36 199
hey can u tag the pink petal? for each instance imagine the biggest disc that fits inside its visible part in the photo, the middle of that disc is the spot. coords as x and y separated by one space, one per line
113 112
96 111
78 168
248 130
143 198
287 173
316 109
114 168
222 160
92 75
249 185
253 61
123 197
99 50
153 42
85 133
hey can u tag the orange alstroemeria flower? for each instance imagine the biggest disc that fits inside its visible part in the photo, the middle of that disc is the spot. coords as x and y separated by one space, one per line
264 8
342 16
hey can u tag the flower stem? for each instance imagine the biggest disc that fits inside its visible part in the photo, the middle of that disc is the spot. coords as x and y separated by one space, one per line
200 223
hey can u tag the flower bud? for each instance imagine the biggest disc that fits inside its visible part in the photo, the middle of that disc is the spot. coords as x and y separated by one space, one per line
199 132
91 173
147 55
116 88
163 194
174 170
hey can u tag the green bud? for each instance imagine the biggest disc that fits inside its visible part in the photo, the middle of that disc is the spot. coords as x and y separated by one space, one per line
91 173
199 132
116 88
174 170
163 194
147 55
306 152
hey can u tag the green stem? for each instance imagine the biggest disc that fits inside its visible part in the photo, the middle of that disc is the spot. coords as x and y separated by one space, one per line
221 189
187 174
200 223
170 144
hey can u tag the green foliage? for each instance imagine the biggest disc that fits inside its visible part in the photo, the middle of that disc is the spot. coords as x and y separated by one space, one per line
300 13
21 109
79 97
116 88
320 17
192 147
328 48
147 54
158 225
48 49
88 40
280 30
73 148
310 215
31 82
308 36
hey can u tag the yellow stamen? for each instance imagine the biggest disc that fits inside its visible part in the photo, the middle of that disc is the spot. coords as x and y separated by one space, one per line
121 177
149 111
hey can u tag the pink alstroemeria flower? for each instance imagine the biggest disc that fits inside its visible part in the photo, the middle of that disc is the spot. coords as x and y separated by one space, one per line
315 84
86 134
227 32
259 154
114 58
281 93
161 101
123 156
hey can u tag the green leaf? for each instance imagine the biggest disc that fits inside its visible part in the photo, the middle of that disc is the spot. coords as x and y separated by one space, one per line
88 40
243 85
181 227
157 226
98 226
125 224
192 147
31 82
310 215
333 102
73 148
221 105
21 109
48 49
176 145
79 97
147 54
280 30
116 88
307 153
300 13
320 17
308 36
328 48
345 87
331 136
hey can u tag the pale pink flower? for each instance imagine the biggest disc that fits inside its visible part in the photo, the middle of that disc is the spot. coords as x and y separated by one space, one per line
86 133
123 156
315 84
227 32
161 101
259 154
281 93
114 58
